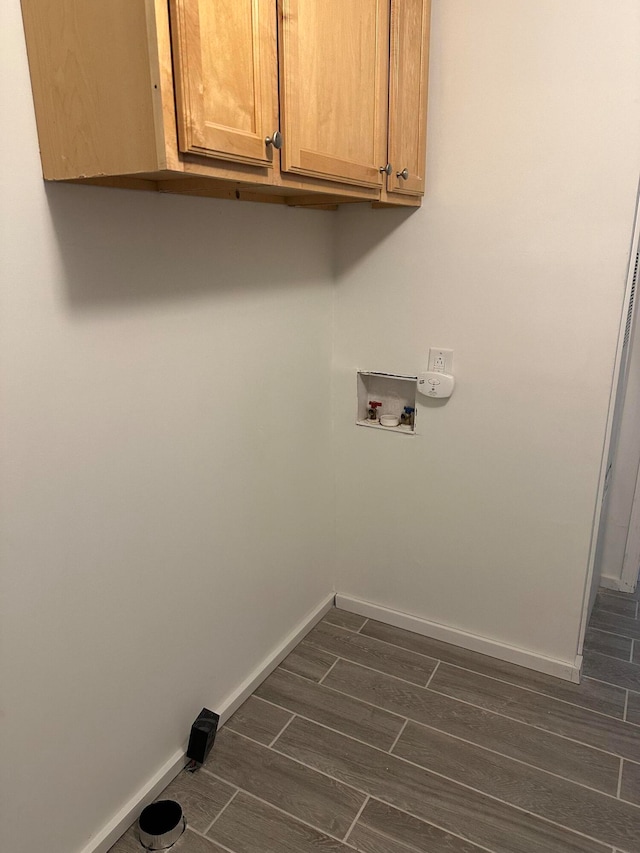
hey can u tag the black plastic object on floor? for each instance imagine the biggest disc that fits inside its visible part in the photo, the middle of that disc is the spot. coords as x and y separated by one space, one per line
161 824
203 734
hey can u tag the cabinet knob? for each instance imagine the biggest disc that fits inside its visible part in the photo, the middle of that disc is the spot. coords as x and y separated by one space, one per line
275 140
386 170
404 174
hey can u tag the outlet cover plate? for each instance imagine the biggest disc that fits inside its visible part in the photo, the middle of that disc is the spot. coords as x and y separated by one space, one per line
440 360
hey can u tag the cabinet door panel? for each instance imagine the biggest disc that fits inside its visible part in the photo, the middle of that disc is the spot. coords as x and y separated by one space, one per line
333 75
408 75
225 59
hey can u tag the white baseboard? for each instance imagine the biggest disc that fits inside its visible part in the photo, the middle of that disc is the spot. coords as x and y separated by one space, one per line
569 671
130 812
121 821
617 584
274 659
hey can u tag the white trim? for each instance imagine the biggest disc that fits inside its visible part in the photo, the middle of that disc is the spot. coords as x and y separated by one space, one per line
123 819
609 582
631 561
274 659
588 594
567 670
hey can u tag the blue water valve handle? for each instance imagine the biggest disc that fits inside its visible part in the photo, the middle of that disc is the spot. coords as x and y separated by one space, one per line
409 410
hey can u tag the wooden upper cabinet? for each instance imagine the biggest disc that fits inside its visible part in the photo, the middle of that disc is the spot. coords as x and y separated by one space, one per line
408 83
180 96
225 62
334 57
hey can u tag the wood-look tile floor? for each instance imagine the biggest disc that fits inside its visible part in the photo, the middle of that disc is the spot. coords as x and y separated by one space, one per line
372 738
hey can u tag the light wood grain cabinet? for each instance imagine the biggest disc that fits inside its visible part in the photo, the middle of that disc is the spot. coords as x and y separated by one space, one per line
225 62
334 60
299 102
408 82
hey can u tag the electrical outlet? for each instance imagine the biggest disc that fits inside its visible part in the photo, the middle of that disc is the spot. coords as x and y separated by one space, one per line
441 360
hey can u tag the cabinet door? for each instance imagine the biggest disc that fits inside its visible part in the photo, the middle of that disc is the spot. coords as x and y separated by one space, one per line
334 57
408 83
225 60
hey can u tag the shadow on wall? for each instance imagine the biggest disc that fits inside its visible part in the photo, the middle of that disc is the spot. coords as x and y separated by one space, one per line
126 247
355 245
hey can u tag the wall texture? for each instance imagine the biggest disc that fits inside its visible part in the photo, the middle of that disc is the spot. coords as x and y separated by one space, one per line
517 260
165 478
166 488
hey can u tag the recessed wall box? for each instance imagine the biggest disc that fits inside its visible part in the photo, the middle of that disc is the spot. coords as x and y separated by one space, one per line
395 399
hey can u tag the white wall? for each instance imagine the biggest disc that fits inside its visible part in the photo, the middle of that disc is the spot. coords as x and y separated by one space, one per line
517 260
165 478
